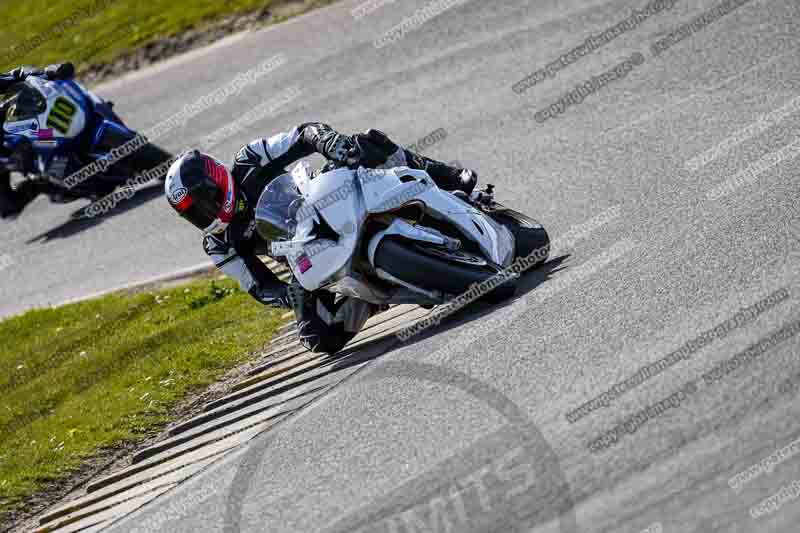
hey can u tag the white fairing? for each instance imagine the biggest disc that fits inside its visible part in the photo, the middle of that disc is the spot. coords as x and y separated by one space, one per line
57 99
344 198
384 193
332 197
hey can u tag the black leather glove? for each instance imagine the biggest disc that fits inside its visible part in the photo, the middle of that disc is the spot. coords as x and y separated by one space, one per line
20 73
284 296
373 148
60 71
277 296
345 151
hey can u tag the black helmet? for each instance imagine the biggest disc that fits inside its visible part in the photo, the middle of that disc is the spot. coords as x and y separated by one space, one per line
202 191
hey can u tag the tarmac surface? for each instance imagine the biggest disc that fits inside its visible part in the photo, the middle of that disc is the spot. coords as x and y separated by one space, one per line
672 190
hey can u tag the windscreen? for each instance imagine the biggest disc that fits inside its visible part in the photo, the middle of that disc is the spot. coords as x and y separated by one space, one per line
277 207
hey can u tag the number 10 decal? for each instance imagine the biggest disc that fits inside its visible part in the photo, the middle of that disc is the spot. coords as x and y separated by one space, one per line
60 117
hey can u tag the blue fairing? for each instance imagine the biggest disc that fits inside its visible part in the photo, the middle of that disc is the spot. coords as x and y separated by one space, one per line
104 110
105 129
78 94
101 121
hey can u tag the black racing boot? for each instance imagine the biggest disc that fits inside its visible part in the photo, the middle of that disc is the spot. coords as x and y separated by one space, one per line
7 208
8 205
376 148
446 177
12 202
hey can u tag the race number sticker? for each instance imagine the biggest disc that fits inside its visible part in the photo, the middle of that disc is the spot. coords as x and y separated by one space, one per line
60 117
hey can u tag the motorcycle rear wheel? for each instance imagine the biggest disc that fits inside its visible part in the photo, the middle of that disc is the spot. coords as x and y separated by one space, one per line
148 157
529 235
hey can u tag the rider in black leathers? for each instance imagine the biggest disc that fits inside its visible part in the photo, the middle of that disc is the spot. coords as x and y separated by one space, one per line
12 201
200 188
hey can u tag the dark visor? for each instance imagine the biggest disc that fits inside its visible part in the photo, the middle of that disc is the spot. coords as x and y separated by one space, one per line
200 209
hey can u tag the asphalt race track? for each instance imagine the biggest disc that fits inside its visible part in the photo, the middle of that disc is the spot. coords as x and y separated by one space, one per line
464 427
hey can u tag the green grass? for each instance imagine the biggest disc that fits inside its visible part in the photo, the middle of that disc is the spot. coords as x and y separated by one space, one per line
117 26
81 377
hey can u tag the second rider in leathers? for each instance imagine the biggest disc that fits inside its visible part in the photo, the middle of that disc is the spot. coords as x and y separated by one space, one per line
13 201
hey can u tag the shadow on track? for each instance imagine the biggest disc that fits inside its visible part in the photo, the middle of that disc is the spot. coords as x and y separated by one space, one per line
519 443
80 223
366 350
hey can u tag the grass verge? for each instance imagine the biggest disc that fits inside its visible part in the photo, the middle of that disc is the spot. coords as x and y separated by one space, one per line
91 32
87 376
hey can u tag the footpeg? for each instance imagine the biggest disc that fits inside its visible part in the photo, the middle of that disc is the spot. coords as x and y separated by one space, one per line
461 195
485 196
451 245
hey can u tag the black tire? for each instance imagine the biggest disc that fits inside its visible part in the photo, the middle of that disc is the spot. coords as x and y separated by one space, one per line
531 238
313 332
148 157
142 160
404 261
333 341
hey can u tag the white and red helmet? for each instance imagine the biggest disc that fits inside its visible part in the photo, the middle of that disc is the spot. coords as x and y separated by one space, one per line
202 191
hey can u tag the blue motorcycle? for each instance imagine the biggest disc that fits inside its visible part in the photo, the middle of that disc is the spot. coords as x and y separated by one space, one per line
53 129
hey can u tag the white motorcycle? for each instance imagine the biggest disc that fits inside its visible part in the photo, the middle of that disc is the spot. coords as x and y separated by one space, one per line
392 236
